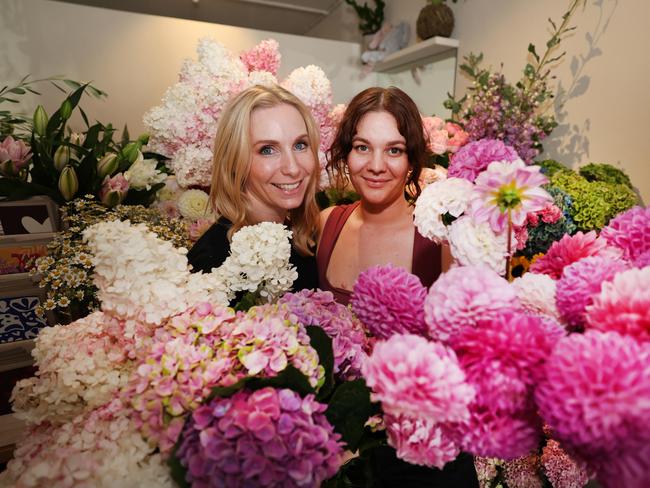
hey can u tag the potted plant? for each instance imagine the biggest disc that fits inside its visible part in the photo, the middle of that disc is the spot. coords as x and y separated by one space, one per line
370 20
435 19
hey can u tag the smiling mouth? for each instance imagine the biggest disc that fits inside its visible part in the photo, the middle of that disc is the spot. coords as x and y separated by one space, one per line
287 186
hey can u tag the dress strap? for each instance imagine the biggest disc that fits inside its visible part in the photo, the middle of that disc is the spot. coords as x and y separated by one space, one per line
427 259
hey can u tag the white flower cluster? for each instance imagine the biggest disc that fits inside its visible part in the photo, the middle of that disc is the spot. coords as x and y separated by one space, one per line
310 84
473 244
142 174
194 204
536 293
259 260
81 366
447 196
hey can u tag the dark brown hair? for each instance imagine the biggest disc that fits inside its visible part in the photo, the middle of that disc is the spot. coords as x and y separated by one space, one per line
409 123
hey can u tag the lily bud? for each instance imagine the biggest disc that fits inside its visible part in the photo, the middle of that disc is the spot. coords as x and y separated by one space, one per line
77 139
143 139
61 157
40 120
114 190
8 168
131 151
107 165
66 109
68 183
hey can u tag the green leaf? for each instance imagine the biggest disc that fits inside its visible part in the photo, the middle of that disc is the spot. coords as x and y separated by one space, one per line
322 343
529 70
72 84
176 469
17 91
246 302
349 409
17 189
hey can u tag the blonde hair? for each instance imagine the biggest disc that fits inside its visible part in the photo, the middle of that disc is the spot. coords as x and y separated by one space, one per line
231 163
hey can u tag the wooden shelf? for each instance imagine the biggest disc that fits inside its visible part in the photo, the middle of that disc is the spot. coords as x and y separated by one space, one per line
416 52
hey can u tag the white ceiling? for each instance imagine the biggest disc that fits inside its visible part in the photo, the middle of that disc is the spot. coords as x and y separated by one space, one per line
287 16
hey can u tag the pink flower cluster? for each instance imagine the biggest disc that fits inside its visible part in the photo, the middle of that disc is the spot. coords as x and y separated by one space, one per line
389 300
349 341
268 437
630 232
474 157
263 57
443 136
594 396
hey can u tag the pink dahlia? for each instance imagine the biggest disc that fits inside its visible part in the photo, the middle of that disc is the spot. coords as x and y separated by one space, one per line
629 469
594 395
560 469
623 305
475 157
642 260
349 340
263 57
536 293
267 437
421 441
389 300
415 377
570 249
462 296
508 188
579 283
630 232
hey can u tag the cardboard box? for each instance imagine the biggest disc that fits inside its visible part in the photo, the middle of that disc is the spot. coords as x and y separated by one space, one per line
19 252
35 215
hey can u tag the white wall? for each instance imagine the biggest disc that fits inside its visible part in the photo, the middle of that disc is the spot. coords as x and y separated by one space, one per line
605 115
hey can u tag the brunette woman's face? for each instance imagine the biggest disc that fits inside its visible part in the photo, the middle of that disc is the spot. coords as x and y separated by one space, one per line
282 163
378 163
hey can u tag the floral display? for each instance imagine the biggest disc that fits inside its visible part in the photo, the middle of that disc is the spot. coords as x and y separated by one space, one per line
630 232
183 127
462 296
389 300
474 158
536 294
473 244
267 437
349 340
443 136
194 204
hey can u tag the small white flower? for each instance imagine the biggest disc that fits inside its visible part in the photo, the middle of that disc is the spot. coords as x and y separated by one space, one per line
194 204
143 173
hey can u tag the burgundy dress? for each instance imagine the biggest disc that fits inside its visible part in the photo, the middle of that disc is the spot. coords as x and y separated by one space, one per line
426 261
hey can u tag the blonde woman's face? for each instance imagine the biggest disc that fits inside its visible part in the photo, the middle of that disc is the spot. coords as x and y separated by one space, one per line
282 163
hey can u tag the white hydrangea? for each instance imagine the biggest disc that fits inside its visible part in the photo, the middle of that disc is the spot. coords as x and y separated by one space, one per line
473 244
450 196
536 293
143 174
193 165
194 204
263 78
310 85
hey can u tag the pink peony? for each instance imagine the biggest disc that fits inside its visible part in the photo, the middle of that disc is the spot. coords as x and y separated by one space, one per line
475 157
508 188
594 396
580 281
415 377
630 232
14 155
389 300
263 57
623 305
421 441
561 470
570 249
462 296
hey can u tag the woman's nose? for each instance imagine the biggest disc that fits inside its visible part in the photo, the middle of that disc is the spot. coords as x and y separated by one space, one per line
289 164
377 164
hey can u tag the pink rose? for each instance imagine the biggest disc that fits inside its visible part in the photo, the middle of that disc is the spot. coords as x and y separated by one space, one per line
458 137
14 155
438 142
114 190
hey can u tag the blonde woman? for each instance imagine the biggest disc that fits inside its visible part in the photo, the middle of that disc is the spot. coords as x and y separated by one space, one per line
265 169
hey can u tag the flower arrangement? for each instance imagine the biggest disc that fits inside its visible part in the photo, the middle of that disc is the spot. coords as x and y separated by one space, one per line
183 127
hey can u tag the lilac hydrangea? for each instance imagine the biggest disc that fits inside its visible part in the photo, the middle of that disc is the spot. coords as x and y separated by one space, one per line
389 300
473 158
349 340
267 437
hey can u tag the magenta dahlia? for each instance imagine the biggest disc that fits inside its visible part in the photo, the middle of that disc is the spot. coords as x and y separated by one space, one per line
421 441
410 375
642 260
267 437
464 295
349 340
389 300
629 231
595 395
579 282
475 157
629 469
623 305
570 249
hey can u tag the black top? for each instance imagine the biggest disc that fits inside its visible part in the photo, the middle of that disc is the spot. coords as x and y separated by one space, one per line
212 249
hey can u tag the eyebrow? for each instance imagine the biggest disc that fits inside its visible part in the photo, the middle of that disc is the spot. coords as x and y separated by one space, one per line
272 141
389 143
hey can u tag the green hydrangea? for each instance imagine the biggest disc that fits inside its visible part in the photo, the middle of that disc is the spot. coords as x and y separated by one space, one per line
550 166
606 173
594 203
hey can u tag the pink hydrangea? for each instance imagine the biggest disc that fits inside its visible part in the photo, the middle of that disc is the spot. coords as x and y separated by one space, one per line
415 377
263 57
421 441
267 437
349 340
389 300
580 281
570 249
630 232
462 296
623 305
594 396
560 469
473 158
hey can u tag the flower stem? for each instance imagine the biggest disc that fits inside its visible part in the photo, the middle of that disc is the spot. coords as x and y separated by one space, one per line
509 246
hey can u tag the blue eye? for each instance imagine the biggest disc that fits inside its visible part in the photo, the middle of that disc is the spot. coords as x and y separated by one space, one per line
300 146
266 150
